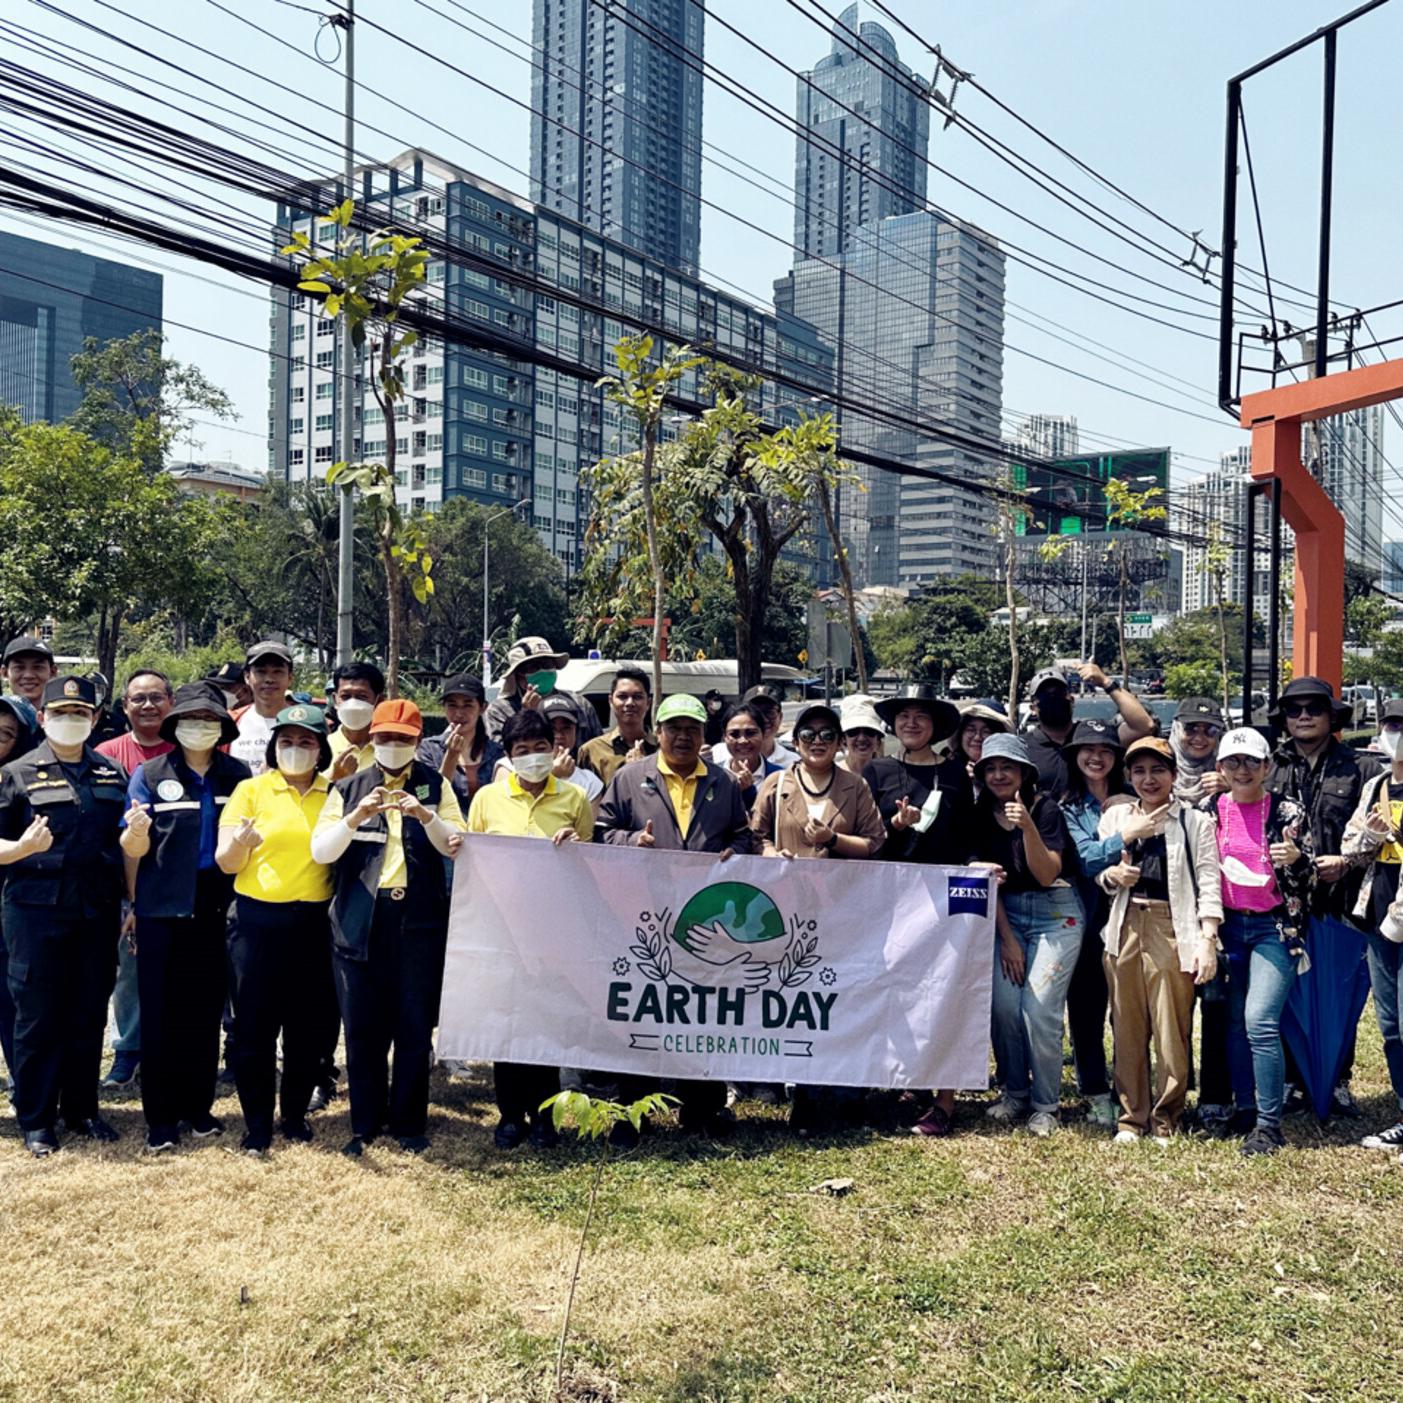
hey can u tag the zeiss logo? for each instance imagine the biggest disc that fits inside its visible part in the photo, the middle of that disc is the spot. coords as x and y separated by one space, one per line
968 896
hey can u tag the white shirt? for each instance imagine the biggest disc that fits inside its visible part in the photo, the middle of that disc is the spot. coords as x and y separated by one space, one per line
252 745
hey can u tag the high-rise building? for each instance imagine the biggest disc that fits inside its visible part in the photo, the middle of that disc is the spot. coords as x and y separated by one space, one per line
867 124
914 303
489 425
1219 498
1345 454
617 128
1049 435
1393 568
51 300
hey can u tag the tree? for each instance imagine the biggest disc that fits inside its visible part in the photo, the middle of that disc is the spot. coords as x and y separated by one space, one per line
367 281
641 388
1127 510
1192 680
987 663
130 383
87 530
1006 529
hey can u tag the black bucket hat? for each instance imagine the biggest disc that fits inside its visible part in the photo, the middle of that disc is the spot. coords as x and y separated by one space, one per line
945 714
1094 732
1302 689
196 697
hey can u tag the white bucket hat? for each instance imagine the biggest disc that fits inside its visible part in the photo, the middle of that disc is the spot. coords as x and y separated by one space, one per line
859 713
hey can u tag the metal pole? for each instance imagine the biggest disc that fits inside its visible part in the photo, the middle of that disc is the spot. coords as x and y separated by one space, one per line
1327 180
1249 599
1084 567
1274 576
346 540
1229 248
486 635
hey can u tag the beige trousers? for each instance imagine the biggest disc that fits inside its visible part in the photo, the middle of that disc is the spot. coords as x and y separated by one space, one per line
1152 1000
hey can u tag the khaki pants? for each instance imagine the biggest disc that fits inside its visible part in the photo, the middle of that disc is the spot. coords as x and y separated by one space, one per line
1151 999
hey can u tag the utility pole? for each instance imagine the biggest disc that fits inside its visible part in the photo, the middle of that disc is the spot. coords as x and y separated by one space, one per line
346 540
1084 558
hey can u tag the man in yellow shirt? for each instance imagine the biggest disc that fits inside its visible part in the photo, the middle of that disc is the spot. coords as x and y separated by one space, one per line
356 690
529 802
385 833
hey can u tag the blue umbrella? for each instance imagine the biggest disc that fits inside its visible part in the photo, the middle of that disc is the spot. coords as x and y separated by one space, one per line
1324 1005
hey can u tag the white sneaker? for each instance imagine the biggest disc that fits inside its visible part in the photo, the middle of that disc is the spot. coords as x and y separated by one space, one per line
1126 1137
1390 1139
1103 1111
1043 1123
1006 1110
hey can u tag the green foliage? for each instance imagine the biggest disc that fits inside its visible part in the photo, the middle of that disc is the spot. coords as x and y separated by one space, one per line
987 658
1193 638
594 1117
1199 679
1365 618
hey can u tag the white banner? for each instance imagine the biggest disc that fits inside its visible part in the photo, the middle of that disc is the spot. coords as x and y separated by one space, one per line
672 964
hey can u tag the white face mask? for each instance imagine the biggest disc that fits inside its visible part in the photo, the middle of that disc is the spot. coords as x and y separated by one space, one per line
67 729
198 735
394 756
1241 875
1390 741
535 767
293 760
355 714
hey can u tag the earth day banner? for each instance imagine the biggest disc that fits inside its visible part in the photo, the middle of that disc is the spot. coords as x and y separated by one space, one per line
673 964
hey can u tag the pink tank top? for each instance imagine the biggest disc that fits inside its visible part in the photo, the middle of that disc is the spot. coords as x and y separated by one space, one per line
1242 839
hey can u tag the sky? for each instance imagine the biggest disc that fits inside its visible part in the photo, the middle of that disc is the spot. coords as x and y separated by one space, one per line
1135 90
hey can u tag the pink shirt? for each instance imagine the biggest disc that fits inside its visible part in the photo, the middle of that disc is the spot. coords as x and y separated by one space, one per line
1242 835
129 752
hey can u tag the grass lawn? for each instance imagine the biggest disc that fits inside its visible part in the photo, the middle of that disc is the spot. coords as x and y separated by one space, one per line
988 1266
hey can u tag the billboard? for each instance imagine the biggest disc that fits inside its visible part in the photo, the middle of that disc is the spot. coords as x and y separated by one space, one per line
1061 490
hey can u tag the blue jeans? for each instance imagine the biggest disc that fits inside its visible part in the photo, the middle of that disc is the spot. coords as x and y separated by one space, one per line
1260 975
1027 1018
126 1003
1386 980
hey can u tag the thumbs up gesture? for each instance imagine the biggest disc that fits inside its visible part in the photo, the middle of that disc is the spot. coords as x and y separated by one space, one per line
645 839
138 820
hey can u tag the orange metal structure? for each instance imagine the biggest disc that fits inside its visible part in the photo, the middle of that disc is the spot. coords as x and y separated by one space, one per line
1275 418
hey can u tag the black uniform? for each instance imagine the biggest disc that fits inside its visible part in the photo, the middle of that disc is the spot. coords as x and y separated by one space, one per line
61 911
182 905
388 949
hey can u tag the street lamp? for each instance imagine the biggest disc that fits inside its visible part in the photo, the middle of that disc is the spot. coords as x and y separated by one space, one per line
486 626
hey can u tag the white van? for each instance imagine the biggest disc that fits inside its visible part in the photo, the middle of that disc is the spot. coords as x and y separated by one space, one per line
593 678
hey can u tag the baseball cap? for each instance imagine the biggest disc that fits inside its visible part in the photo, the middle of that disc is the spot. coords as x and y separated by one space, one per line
227 674
463 684
1047 676
1199 709
1244 741
17 646
765 692
268 648
1152 745
682 706
558 704
399 717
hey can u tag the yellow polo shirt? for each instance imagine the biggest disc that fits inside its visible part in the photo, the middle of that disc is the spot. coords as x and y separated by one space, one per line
281 867
394 871
682 790
505 807
340 743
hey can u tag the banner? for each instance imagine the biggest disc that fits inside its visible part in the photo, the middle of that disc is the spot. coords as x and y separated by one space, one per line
672 964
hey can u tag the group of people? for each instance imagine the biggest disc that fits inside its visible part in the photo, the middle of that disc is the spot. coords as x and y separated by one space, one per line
282 867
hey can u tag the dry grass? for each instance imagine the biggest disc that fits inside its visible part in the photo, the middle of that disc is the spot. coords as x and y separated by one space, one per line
989 1266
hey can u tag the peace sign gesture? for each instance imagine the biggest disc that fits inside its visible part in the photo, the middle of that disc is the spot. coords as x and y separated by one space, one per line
906 813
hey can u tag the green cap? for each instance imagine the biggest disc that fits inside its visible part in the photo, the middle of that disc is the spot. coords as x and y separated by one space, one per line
310 718
682 705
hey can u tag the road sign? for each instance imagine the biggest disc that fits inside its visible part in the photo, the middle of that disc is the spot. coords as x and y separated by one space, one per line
1139 625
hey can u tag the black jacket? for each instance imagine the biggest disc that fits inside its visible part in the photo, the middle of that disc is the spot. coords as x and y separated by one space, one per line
1329 794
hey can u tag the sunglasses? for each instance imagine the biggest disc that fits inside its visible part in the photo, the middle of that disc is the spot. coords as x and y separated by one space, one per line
1203 728
826 736
1312 708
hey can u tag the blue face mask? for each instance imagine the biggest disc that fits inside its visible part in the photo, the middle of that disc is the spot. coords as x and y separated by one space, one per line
543 682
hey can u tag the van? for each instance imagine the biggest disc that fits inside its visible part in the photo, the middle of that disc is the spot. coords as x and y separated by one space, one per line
1363 700
593 679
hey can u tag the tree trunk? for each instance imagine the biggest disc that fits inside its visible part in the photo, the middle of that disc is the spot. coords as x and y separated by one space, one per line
387 519
845 570
109 631
393 620
1124 586
650 442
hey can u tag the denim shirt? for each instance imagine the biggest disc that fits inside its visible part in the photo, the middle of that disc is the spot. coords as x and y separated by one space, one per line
1094 855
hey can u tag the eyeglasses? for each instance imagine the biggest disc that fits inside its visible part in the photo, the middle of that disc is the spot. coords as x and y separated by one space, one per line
826 736
1249 762
147 698
1310 708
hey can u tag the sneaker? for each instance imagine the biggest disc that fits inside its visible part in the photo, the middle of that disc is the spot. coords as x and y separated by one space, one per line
1293 1102
1043 1123
935 1123
1390 1139
508 1135
160 1138
41 1143
1103 1111
255 1146
123 1070
205 1127
1342 1103
1126 1137
297 1130
1006 1110
1211 1115
1264 1140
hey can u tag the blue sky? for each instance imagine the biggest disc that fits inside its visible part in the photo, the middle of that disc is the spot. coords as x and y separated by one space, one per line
1134 89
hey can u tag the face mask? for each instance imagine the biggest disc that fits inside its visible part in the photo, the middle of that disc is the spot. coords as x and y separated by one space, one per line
198 735
394 756
1390 741
293 760
1241 875
355 714
533 768
68 730
543 682
1055 711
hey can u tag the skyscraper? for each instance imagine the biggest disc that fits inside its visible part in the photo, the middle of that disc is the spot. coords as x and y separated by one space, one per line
1050 435
867 121
1346 456
51 300
617 126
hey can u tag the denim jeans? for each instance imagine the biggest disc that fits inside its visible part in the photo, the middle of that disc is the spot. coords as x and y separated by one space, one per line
126 1002
1386 980
1260 975
1027 1018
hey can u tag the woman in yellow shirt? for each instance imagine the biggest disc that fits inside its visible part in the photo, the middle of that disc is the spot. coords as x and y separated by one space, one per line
280 946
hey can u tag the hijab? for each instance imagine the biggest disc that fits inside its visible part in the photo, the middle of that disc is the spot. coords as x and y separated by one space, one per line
1188 779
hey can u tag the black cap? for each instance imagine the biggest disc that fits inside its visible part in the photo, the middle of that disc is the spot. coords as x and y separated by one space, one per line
1200 709
16 646
559 704
1094 732
229 674
765 692
77 691
269 648
463 684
